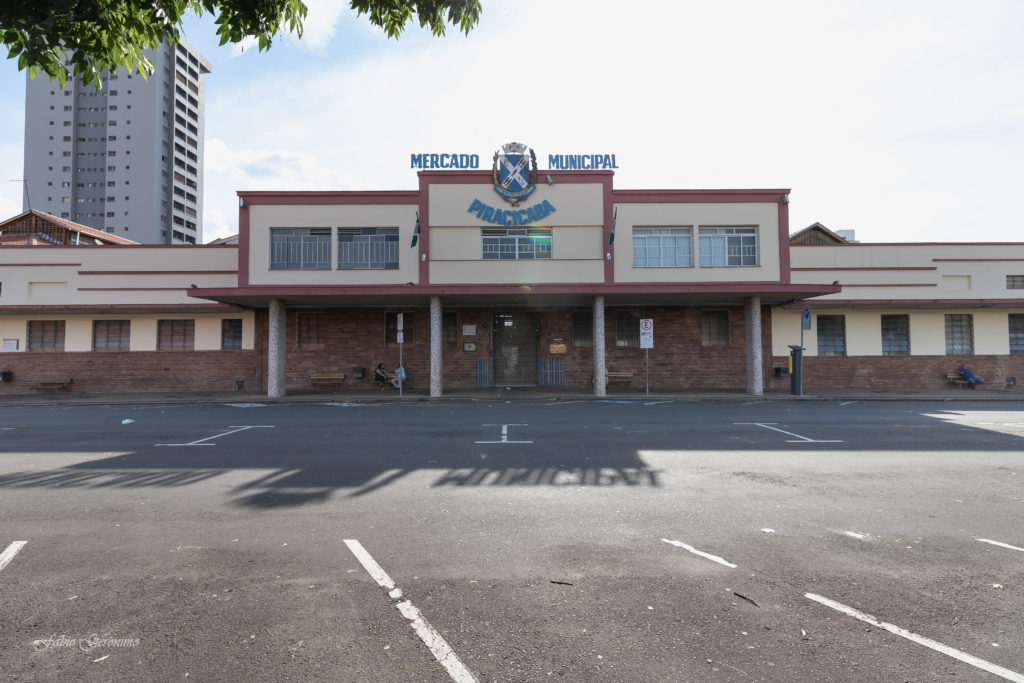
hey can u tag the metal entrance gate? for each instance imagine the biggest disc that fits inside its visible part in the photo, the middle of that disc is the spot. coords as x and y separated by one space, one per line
514 342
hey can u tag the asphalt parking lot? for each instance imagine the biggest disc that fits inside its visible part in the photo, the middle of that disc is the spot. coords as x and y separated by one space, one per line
617 540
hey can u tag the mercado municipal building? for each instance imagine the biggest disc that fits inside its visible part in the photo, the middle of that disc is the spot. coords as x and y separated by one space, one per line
510 276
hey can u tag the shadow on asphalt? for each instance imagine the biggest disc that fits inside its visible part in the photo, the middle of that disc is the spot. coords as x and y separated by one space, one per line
320 454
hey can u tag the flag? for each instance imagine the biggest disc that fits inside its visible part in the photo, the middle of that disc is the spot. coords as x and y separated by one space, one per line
615 217
416 231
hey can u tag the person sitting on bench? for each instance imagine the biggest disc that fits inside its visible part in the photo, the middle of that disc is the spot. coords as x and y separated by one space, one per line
971 378
383 377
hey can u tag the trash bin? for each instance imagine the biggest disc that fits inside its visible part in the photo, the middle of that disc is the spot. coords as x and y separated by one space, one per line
796 379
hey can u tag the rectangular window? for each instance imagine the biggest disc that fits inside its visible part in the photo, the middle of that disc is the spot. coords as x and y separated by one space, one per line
516 244
662 248
299 248
627 328
831 335
391 328
45 335
714 328
449 330
1017 334
959 334
368 248
231 334
583 329
1015 281
728 246
176 335
311 332
895 335
111 335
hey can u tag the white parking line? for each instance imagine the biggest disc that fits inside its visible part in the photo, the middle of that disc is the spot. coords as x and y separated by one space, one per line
430 637
799 439
504 433
7 555
707 556
920 640
1001 545
233 428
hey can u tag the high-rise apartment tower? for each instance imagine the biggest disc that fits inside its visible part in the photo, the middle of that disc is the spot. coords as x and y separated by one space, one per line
127 159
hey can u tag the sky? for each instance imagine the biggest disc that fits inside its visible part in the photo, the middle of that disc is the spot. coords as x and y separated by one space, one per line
900 119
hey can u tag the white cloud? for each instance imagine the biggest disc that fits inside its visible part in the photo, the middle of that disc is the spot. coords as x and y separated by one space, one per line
879 116
228 170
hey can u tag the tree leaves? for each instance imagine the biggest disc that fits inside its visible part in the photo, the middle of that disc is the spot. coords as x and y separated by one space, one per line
91 37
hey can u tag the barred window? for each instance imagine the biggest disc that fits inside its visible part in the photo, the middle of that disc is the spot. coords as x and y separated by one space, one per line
714 328
627 328
300 248
231 334
111 335
516 244
368 248
449 330
176 335
391 328
583 329
728 246
895 335
662 247
1017 334
45 335
311 330
1015 281
959 334
831 335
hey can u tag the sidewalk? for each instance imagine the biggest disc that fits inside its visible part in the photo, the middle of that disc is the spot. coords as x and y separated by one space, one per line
368 395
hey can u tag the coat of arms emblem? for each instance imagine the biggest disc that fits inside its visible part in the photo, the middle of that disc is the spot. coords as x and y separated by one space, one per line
515 172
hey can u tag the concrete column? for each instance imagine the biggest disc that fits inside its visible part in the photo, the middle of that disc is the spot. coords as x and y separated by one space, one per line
600 368
276 349
435 346
755 356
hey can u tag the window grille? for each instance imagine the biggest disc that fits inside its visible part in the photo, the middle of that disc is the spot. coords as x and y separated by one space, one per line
831 335
959 334
662 247
895 335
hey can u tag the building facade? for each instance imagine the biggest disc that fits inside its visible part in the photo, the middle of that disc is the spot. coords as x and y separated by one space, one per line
577 285
127 159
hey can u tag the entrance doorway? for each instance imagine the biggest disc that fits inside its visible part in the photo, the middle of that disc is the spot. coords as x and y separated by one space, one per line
514 340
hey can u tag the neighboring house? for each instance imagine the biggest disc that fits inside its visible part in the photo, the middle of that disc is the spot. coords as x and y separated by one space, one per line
466 290
34 228
907 313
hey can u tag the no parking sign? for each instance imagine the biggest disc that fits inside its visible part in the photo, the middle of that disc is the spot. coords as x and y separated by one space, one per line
646 333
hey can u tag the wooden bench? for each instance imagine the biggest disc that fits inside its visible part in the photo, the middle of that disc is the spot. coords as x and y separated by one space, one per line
327 380
54 383
957 379
617 376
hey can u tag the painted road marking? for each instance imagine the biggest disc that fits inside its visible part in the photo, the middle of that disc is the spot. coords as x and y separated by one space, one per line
920 640
234 429
504 433
7 555
707 556
799 439
430 637
1001 545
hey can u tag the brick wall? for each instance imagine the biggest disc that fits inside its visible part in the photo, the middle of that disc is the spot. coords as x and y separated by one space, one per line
900 372
355 338
133 371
